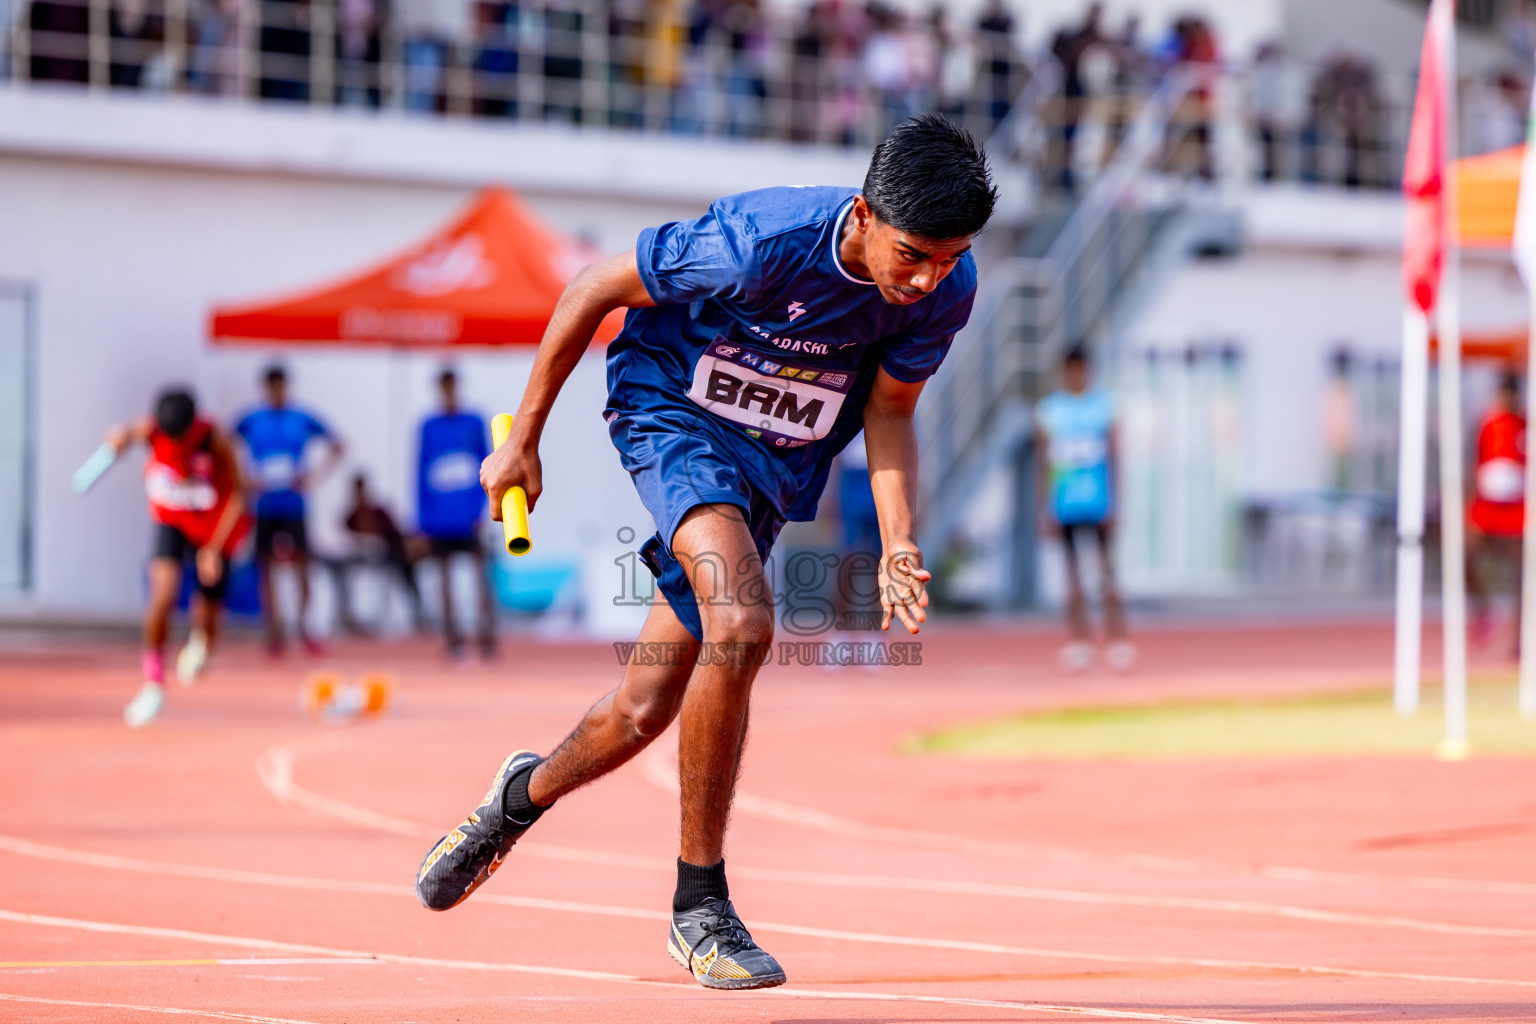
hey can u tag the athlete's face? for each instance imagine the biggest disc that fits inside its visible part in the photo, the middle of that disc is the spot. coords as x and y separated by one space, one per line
905 267
277 392
1074 375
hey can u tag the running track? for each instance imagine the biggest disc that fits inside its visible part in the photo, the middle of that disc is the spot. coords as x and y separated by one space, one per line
237 863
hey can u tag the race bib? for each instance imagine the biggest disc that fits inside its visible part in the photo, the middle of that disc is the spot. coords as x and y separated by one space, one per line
780 404
453 472
176 493
1501 481
277 471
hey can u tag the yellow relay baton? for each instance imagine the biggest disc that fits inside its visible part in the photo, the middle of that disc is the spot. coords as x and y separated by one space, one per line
514 503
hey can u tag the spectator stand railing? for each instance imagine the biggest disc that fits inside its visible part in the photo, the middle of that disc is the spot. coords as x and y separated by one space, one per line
582 62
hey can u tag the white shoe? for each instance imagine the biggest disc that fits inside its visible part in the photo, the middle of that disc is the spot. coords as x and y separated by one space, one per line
145 706
192 659
1121 655
1075 657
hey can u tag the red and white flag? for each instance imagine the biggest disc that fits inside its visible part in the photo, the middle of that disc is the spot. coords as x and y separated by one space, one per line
1424 168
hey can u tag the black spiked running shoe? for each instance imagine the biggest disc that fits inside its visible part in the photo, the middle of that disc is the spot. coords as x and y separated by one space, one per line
714 946
463 859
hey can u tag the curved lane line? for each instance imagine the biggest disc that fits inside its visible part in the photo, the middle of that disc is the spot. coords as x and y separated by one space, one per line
663 775
27 848
176 1010
561 972
275 769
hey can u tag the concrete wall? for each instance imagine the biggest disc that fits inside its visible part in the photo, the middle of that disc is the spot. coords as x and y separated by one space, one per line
128 220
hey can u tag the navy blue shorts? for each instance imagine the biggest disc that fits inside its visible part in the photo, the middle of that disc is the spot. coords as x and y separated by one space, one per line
675 472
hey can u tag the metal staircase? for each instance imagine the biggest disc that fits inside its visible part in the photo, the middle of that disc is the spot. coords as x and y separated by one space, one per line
1081 275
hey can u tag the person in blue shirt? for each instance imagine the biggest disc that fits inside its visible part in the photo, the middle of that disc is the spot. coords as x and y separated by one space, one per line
277 437
450 504
761 337
1078 458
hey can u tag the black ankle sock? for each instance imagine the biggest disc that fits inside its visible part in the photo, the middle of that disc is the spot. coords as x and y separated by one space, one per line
516 804
696 884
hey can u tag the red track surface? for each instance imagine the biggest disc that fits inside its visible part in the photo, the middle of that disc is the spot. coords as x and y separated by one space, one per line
891 888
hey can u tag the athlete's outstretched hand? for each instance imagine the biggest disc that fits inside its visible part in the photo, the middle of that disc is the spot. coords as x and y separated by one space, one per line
903 586
514 464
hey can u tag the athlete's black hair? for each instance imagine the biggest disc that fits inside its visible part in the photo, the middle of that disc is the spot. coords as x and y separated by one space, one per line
1509 381
1077 354
175 410
275 374
930 178
448 376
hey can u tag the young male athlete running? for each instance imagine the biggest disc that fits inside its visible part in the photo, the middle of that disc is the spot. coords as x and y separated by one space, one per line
193 482
761 337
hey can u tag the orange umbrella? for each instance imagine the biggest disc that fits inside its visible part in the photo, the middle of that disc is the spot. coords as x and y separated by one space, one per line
490 277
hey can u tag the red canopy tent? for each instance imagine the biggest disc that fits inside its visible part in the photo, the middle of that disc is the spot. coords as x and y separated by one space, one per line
490 277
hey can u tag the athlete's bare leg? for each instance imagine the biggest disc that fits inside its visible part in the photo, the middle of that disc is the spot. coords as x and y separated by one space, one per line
270 613
736 605
625 721
718 554
1114 607
205 617
300 561
164 586
1077 602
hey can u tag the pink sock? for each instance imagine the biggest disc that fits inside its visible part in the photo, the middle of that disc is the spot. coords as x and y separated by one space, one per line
154 666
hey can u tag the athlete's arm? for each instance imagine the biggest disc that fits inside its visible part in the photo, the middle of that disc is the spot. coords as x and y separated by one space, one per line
1112 453
210 562
126 435
315 477
891 443
593 293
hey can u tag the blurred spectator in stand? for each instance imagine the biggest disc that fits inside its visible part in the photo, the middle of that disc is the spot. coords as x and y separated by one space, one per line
844 105
7 12
1346 125
1132 80
428 30
888 65
955 75
136 37
284 41
626 63
58 42
1275 106
807 50
1495 112
496 58
1069 47
380 543
450 505
1496 516
214 59
994 38
563 67
746 84
1191 42
357 53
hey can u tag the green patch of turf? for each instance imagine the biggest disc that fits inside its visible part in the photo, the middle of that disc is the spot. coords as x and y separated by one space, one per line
1360 722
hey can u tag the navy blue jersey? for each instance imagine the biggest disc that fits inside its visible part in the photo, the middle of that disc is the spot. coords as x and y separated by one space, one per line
763 342
277 439
449 501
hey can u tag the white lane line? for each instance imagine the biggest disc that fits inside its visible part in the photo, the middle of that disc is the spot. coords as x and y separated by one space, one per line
204 962
657 771
561 972
275 768
638 913
175 1010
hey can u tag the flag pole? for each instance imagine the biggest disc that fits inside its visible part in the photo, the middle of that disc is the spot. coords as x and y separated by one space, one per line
1528 569
1452 515
1413 430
